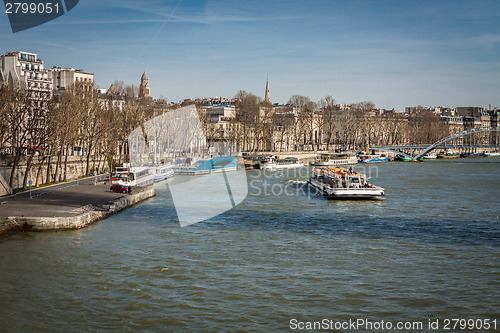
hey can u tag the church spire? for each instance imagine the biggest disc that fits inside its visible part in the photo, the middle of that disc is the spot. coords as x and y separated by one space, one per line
267 99
144 89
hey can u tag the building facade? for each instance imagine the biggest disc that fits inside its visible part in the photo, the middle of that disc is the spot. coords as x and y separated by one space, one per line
469 111
64 79
24 70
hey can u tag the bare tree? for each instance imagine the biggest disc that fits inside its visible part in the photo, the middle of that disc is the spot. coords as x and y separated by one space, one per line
22 115
363 106
92 126
6 99
248 116
425 127
329 116
119 86
305 113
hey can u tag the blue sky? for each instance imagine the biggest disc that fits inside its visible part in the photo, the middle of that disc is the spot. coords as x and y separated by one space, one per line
394 53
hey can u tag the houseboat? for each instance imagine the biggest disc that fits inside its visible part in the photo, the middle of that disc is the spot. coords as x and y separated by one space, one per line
448 155
203 166
430 156
251 161
334 159
280 163
373 158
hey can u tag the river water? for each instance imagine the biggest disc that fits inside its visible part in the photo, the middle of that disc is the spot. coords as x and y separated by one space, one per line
429 251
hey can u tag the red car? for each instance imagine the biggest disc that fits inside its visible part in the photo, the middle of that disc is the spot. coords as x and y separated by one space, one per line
119 189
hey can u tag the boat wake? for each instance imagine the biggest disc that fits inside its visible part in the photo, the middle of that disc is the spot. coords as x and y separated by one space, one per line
297 182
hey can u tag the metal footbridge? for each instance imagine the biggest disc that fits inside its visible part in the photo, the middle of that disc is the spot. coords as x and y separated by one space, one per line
400 150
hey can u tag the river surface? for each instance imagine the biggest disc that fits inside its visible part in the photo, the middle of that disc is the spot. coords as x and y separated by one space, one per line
429 251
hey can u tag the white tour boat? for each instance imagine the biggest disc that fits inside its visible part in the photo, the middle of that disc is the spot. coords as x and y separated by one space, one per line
340 183
430 156
160 171
334 159
280 163
136 176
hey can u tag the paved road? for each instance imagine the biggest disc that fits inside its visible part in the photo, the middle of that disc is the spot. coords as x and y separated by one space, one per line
58 187
60 200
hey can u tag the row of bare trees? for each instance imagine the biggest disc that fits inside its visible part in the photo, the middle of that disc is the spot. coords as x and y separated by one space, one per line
52 129
305 125
98 126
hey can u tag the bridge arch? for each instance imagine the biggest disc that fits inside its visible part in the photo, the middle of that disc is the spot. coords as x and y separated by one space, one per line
428 148
457 136
393 150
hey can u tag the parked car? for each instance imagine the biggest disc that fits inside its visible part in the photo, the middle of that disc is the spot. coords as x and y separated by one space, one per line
119 189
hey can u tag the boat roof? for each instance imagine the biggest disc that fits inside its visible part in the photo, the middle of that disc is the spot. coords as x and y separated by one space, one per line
340 170
337 154
137 169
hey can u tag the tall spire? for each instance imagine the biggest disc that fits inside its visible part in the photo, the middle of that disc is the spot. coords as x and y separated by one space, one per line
144 89
267 99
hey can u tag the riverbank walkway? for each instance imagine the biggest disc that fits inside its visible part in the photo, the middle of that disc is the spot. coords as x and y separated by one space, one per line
70 205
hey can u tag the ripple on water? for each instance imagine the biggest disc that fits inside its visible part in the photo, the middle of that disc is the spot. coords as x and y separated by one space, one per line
427 251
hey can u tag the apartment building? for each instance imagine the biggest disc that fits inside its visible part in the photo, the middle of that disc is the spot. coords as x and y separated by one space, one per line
25 70
67 78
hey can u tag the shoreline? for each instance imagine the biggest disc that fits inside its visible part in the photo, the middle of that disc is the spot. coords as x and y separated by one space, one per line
83 215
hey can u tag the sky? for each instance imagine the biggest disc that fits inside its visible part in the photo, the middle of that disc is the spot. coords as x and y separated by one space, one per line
393 53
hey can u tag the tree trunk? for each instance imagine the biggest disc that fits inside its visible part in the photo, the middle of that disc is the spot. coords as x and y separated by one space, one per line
39 171
14 168
66 163
47 178
54 178
87 167
26 172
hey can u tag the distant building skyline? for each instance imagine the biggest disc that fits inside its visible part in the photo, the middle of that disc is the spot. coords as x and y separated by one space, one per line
64 78
393 53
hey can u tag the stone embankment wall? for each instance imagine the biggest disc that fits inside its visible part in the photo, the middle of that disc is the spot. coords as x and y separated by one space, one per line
75 169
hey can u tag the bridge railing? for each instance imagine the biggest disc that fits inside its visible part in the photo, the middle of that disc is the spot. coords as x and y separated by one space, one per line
442 142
